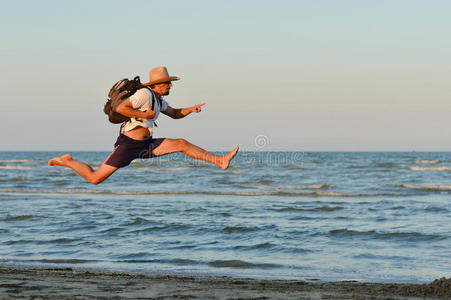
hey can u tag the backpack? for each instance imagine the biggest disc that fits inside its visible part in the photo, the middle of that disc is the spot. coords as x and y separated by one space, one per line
121 91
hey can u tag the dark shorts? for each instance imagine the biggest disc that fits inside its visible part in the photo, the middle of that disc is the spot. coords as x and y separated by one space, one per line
127 149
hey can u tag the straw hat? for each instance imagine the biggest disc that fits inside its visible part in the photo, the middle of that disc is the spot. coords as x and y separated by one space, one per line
159 75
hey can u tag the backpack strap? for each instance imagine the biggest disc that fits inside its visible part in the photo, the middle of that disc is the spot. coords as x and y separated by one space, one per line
153 102
122 128
152 95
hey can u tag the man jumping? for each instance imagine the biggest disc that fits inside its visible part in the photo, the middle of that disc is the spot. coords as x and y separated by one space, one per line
136 140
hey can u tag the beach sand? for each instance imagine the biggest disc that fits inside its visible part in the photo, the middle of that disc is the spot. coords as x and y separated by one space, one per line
41 283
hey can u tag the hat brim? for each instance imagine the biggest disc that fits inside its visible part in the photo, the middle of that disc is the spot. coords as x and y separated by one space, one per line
171 78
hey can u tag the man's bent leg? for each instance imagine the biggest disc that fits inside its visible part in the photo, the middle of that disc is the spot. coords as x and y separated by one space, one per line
193 151
84 170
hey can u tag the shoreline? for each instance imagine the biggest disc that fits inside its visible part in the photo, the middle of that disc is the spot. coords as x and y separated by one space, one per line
29 282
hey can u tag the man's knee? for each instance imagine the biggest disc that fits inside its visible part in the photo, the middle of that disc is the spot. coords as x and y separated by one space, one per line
182 144
95 180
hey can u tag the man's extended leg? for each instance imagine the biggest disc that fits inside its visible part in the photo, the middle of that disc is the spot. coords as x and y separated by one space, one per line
84 170
193 151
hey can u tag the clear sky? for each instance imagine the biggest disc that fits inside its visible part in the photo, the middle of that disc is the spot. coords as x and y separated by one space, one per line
304 75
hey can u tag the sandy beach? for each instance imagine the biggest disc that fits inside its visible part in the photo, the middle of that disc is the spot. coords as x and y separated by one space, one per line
69 283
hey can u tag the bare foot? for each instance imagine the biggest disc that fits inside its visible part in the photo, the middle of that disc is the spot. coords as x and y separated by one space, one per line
227 158
60 161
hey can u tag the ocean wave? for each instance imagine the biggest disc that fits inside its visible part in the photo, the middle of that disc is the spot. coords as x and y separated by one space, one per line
18 242
316 209
58 241
163 160
62 261
48 261
15 161
16 168
175 261
240 264
195 209
426 161
435 209
255 247
141 261
404 236
112 230
219 193
266 181
199 165
17 218
132 255
173 169
163 228
111 192
183 261
20 179
357 167
287 187
438 187
436 168
239 229
383 257
140 221
182 247
334 194
386 165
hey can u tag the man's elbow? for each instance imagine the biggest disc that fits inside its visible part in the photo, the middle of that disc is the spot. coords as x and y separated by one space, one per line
177 116
171 114
120 110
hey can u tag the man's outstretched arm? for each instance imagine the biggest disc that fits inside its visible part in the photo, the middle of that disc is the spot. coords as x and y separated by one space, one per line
178 113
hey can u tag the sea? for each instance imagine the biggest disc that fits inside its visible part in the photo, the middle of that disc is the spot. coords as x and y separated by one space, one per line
327 216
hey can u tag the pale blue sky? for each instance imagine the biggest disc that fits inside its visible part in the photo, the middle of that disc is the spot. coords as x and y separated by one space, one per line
308 75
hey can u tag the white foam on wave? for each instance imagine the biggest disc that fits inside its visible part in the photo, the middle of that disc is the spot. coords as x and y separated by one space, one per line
286 187
15 161
110 192
16 168
437 187
174 169
160 192
426 161
436 168
334 194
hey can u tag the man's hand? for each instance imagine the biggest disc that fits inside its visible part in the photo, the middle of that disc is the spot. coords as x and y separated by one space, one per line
114 92
197 108
150 114
126 109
